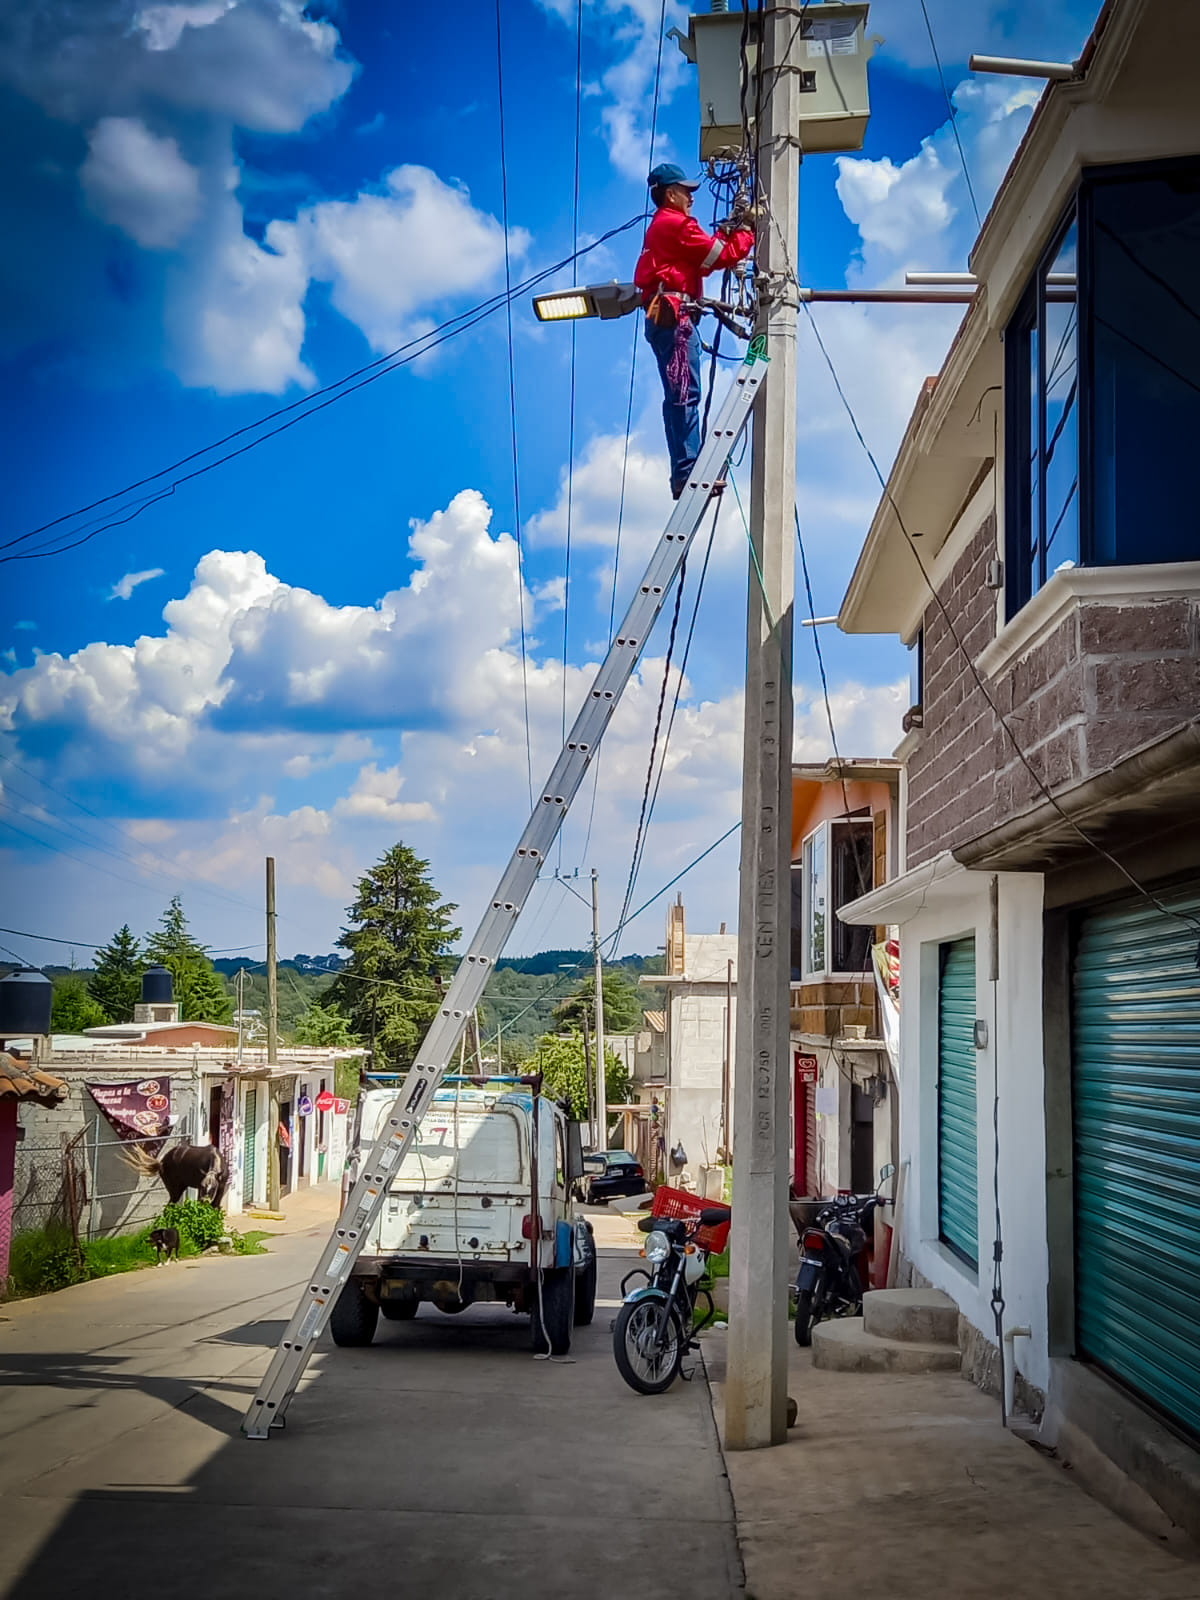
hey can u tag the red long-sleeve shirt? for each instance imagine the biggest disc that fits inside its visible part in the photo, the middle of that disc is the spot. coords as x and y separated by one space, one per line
677 254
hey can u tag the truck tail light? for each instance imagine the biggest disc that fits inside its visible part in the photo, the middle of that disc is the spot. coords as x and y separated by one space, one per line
531 1226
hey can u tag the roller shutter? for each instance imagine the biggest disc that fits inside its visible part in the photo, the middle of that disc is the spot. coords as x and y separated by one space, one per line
249 1142
1136 1091
958 1162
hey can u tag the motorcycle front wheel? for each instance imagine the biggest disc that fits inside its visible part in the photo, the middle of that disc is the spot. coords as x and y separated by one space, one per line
648 1363
808 1313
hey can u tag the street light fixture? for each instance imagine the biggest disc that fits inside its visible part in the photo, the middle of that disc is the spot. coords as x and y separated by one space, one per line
603 300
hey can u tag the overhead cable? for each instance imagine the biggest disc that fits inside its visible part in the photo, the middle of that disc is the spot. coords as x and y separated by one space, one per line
403 356
512 407
952 113
1018 750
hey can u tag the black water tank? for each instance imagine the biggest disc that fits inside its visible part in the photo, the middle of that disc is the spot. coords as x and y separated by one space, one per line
25 1000
156 987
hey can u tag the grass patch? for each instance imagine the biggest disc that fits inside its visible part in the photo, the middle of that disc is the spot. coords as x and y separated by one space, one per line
251 1243
42 1260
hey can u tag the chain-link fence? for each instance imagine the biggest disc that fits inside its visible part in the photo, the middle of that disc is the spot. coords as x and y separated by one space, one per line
81 1183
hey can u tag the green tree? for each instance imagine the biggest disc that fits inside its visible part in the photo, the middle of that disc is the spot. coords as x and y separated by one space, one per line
116 981
323 1026
199 989
560 1060
622 1004
390 987
72 1008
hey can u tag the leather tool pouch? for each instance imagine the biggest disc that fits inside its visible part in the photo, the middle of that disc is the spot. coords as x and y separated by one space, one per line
661 312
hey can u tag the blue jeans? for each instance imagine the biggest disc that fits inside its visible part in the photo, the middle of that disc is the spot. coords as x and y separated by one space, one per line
681 419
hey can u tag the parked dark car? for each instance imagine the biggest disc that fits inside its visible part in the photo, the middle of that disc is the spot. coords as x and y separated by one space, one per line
608 1173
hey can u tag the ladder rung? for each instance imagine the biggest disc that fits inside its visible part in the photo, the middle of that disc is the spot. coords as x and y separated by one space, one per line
367 1194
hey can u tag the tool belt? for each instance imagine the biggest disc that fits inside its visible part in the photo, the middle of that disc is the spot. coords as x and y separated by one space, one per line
661 312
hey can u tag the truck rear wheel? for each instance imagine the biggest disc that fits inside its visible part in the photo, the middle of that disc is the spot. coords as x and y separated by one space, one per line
551 1324
354 1318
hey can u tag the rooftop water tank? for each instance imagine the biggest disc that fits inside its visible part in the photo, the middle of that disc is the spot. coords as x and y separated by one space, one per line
25 1000
156 987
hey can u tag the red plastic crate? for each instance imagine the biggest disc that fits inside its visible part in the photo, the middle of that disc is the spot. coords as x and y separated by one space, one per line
670 1202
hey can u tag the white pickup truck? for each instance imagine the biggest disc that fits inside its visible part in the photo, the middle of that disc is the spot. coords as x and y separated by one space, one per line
480 1209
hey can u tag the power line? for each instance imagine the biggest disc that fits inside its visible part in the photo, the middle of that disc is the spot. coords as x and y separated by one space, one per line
662 695
953 115
405 355
637 330
679 680
863 885
512 405
1147 894
98 944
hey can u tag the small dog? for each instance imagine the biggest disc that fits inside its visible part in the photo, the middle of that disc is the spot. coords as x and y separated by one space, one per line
166 1244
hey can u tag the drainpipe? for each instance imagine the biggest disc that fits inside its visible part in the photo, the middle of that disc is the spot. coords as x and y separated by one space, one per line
1010 1367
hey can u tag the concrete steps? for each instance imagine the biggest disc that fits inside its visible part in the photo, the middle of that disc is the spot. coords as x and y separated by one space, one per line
901 1330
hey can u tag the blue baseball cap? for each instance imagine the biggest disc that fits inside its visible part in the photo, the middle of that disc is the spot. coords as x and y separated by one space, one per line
667 173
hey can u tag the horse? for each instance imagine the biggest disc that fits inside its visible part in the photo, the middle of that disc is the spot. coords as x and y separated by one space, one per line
184 1166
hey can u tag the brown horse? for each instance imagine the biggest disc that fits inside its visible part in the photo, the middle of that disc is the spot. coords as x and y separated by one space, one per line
184 1166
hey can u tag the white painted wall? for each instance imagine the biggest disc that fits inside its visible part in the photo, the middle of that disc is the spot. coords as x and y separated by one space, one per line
1014 1018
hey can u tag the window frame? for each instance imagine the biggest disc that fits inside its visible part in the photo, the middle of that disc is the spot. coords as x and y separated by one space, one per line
1080 208
826 831
1030 318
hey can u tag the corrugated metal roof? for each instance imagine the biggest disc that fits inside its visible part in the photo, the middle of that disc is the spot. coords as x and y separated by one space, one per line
28 1085
656 1020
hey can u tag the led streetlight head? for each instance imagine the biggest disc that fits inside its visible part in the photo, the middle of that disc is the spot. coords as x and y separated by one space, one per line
603 300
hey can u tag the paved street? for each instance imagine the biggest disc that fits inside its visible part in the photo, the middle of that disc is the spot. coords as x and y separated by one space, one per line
443 1459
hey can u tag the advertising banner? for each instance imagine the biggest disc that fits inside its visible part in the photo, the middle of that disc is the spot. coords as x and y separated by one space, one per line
140 1110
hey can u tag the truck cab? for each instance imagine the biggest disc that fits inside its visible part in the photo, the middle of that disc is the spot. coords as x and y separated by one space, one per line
480 1209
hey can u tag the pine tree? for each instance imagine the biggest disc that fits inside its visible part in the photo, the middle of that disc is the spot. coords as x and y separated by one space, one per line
622 1004
116 983
199 988
399 932
323 1026
72 1008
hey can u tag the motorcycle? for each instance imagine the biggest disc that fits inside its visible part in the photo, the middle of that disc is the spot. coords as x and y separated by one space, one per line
828 1283
657 1321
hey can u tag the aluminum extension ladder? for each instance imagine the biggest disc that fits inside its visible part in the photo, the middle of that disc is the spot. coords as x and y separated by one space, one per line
366 1198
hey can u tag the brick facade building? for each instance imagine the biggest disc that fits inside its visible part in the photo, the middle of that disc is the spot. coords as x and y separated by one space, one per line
1038 550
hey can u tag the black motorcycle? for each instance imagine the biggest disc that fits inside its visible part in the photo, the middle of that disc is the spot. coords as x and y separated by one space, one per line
657 1322
828 1282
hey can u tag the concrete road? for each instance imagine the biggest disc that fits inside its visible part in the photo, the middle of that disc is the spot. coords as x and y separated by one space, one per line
443 1460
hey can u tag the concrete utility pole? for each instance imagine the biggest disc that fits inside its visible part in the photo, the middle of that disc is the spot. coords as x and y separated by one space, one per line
601 1095
756 1386
272 1045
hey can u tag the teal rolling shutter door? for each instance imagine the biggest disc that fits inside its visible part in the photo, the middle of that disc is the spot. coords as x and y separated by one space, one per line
958 1164
1136 1087
249 1141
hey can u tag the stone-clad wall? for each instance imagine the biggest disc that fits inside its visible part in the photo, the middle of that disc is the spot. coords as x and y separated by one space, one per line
122 1202
1111 678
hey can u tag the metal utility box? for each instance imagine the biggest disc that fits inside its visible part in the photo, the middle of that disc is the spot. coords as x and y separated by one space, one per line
831 53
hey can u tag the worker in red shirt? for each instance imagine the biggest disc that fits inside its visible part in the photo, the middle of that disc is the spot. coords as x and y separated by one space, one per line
676 256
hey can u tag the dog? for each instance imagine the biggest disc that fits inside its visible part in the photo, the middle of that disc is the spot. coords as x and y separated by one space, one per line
166 1244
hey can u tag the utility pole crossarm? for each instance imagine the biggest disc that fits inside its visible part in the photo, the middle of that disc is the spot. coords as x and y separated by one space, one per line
368 1193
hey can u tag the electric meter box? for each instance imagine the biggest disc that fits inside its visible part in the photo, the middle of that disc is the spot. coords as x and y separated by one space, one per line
830 53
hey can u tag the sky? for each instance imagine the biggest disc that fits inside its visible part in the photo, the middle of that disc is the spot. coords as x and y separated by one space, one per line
214 209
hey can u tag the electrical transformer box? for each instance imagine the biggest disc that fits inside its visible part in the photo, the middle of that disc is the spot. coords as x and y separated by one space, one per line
829 51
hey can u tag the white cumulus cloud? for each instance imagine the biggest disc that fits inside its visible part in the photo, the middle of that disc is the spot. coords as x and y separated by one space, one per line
140 182
124 587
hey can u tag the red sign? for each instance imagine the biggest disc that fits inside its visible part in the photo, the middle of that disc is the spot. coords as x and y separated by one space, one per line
325 1100
806 1067
341 1107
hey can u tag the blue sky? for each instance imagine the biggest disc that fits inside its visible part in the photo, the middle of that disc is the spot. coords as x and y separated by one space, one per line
213 208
